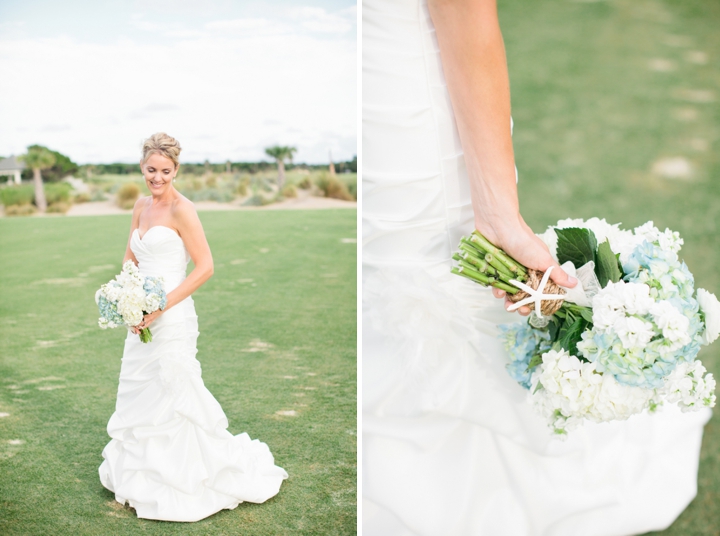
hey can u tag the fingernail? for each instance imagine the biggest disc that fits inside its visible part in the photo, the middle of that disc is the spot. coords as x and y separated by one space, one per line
572 280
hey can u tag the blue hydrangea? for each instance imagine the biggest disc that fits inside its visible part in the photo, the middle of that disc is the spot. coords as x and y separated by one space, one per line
108 311
153 285
669 279
522 342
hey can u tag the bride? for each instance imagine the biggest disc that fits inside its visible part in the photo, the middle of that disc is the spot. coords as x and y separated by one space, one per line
171 456
449 444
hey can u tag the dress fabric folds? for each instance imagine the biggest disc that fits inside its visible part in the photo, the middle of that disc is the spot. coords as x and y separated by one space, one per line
450 446
171 456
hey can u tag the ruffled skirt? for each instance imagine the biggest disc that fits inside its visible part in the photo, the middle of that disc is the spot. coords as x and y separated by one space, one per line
171 456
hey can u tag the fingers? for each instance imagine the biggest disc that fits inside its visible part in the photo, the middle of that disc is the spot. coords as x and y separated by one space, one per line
522 311
561 278
498 293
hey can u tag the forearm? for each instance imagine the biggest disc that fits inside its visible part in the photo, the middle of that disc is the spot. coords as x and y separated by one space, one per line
192 282
475 67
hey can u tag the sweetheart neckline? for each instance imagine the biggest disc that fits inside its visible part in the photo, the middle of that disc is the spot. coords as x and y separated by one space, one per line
137 230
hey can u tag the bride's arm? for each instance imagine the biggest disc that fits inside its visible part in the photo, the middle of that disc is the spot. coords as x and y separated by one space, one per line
191 231
475 67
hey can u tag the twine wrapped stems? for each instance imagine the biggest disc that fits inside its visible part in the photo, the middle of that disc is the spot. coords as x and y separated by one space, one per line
484 263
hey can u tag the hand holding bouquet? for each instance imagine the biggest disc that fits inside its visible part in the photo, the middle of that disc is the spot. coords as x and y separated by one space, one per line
622 341
125 299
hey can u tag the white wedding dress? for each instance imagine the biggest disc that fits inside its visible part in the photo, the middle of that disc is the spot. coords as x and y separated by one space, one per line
171 456
450 446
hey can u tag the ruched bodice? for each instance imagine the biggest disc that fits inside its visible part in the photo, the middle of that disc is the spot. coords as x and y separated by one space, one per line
171 456
161 253
416 196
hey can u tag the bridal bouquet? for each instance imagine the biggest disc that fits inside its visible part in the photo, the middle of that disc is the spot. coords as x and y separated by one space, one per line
129 296
622 341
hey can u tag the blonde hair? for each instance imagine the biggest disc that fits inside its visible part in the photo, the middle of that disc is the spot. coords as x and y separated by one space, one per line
164 145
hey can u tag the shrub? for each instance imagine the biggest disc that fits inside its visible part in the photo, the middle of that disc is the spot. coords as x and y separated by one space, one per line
98 195
352 187
82 198
59 207
211 181
242 188
289 190
256 201
305 183
209 194
332 187
127 194
57 192
22 194
26 209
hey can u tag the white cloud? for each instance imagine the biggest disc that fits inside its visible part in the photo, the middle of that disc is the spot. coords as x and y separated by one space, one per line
318 20
225 90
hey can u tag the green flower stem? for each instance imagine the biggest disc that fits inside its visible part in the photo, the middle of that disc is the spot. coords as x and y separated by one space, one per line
494 251
504 286
469 266
506 278
503 257
493 261
477 276
480 252
480 265
463 273
145 335
479 258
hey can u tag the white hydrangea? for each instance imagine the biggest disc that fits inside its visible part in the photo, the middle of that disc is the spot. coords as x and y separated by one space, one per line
710 307
667 240
675 326
690 386
152 302
566 391
633 332
128 293
617 300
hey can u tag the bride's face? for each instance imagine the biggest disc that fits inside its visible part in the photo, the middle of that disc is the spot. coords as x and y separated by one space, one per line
159 172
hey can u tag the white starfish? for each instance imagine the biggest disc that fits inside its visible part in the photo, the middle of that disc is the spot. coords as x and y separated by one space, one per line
536 296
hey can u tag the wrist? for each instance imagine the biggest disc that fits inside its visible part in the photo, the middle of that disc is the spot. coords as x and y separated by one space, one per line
498 224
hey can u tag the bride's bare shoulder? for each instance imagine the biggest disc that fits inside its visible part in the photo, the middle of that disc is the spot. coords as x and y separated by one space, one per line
183 211
141 204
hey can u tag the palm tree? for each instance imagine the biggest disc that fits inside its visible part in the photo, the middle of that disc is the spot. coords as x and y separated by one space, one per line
280 154
38 158
332 164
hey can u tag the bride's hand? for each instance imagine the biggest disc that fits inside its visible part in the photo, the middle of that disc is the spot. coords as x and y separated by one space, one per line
518 241
146 321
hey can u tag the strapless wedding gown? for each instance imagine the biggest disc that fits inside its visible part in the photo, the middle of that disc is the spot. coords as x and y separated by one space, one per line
171 456
450 445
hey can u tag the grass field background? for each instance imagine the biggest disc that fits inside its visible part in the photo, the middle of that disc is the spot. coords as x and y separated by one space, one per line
603 93
277 335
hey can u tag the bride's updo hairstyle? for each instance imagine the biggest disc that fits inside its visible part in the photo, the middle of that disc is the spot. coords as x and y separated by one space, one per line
164 145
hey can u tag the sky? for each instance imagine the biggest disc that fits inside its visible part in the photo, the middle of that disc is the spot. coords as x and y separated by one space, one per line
227 78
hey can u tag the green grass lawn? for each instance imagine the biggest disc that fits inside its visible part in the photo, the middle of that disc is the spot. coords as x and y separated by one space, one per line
602 92
286 278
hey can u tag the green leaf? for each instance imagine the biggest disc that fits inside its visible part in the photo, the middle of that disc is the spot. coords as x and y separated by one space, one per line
570 335
606 268
576 245
586 313
534 362
554 328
